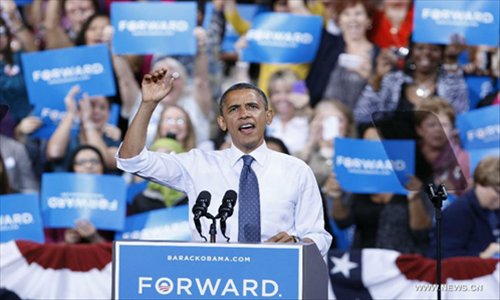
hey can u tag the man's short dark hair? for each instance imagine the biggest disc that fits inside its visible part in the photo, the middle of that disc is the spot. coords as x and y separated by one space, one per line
243 86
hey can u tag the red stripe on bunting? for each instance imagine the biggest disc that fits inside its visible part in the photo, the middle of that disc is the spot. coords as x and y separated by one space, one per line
75 257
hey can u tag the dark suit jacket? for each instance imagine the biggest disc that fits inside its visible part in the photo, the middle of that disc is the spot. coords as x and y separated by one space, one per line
466 230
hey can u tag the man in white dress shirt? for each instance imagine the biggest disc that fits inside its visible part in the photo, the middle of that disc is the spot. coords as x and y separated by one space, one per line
290 202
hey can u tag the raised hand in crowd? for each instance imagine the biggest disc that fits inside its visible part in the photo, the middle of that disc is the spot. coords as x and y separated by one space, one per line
386 60
27 126
491 251
93 114
84 231
16 25
75 11
332 187
87 231
419 218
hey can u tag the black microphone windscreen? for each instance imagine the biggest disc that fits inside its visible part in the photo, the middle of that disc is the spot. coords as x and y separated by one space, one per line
230 195
204 195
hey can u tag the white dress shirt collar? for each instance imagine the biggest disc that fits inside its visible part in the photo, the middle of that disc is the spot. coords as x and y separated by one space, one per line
259 154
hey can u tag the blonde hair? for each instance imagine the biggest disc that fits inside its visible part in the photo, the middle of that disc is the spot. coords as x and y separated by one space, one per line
434 105
190 141
288 76
487 172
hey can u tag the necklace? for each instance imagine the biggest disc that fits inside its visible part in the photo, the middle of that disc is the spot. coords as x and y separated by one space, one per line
423 91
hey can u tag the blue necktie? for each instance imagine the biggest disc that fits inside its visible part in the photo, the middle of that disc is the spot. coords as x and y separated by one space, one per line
249 204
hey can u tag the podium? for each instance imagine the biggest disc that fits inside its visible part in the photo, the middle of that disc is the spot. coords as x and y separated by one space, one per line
187 270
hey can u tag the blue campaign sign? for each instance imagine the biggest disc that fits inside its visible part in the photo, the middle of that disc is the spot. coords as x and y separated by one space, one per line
67 197
50 74
477 154
437 22
247 12
20 218
175 271
154 28
364 166
159 224
478 87
480 128
135 188
283 38
22 2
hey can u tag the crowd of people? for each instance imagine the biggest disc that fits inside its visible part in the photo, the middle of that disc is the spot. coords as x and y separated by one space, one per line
366 62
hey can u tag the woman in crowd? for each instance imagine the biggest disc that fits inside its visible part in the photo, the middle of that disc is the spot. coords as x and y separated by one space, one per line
64 20
93 115
176 123
471 224
425 77
15 38
85 159
443 160
289 100
393 24
387 221
331 119
343 64
97 30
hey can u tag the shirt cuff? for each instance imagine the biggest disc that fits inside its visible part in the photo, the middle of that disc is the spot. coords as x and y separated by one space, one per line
322 242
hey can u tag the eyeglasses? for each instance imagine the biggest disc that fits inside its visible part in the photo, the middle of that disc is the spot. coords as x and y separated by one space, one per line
174 121
92 161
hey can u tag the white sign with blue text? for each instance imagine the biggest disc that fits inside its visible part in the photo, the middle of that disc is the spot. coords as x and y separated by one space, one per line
20 218
162 270
480 128
50 74
159 224
365 167
67 197
437 22
282 38
154 28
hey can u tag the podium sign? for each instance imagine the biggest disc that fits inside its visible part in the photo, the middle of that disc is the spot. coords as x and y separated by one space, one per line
170 270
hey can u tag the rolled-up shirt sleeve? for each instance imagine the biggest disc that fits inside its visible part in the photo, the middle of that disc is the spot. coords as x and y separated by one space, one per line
162 168
133 164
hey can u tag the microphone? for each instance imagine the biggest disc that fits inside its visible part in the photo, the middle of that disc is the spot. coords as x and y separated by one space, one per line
201 205
200 209
227 207
226 210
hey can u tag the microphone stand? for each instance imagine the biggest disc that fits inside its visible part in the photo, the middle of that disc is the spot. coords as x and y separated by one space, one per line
437 196
213 227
